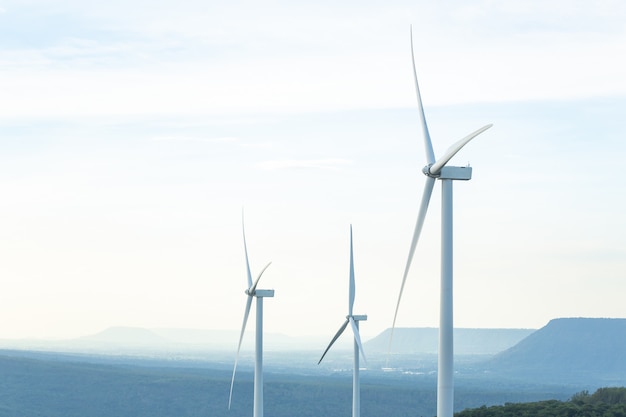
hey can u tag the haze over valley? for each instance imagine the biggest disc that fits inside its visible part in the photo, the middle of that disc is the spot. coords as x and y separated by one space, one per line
188 370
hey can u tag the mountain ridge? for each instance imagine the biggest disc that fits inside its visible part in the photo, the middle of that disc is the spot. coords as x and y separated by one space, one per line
573 348
467 341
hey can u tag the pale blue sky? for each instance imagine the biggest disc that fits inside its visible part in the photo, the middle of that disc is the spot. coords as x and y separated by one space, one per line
131 135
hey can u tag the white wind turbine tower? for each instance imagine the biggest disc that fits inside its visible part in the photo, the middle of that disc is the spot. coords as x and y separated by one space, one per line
437 169
253 292
358 347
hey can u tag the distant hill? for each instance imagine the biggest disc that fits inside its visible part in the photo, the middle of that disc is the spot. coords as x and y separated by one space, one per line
130 336
136 340
569 348
424 340
136 337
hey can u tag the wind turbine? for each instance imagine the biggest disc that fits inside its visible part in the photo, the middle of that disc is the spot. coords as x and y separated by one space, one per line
437 169
253 292
358 347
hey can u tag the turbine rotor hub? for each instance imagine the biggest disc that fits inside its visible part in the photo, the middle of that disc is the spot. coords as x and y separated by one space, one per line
426 171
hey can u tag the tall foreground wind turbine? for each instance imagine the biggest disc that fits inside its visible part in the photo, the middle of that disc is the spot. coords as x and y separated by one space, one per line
358 347
253 292
437 169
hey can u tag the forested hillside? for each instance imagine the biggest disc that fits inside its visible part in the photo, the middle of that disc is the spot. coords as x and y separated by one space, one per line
605 402
48 385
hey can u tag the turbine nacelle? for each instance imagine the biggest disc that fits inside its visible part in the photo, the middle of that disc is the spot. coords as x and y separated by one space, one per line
260 293
449 173
362 317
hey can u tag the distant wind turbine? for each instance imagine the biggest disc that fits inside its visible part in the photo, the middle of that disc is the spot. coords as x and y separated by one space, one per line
358 347
438 169
253 292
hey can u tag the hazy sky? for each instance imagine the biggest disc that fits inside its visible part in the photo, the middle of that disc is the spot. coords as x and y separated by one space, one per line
133 133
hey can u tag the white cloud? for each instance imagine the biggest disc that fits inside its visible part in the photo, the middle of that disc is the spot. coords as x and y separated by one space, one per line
330 163
181 138
306 59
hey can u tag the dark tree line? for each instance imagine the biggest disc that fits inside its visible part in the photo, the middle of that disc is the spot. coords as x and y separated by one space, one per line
605 402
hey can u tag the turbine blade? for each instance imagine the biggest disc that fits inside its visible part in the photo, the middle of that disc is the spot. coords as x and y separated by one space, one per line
352 284
245 249
341 329
243 329
428 145
251 289
357 337
428 190
452 150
